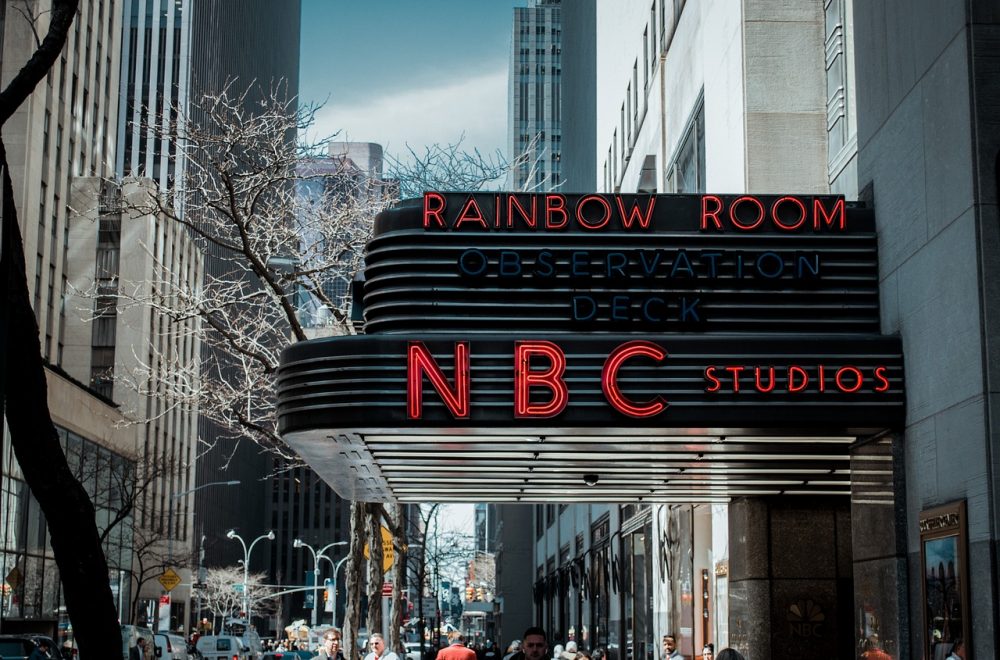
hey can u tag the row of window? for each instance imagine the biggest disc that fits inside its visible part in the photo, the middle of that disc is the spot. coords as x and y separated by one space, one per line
31 588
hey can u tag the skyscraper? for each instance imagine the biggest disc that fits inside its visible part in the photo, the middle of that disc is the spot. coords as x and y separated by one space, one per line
533 124
59 133
156 41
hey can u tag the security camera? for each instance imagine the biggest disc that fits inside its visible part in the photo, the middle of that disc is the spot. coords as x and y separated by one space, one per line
591 479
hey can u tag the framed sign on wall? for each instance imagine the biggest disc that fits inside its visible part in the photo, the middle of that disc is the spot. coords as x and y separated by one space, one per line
943 542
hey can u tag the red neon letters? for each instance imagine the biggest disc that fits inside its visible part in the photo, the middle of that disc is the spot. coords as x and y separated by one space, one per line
749 213
540 364
794 379
551 378
609 378
456 398
420 361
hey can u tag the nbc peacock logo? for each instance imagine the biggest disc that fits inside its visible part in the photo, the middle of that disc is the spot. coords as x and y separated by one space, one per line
805 619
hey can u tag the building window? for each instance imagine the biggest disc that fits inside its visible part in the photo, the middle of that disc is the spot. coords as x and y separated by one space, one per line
687 171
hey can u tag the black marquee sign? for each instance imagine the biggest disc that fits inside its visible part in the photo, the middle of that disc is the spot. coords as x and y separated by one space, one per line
552 311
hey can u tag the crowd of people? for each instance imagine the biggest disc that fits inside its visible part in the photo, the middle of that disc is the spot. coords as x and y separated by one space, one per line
533 645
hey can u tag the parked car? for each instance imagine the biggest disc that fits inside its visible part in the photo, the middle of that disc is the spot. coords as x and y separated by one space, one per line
288 655
170 647
19 647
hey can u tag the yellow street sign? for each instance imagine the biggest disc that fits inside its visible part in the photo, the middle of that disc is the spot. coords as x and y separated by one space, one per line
387 552
169 579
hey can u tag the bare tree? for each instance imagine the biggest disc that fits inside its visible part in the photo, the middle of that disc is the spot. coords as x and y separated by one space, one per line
223 596
280 231
439 553
68 511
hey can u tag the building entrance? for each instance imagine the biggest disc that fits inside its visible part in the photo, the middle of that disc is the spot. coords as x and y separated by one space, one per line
660 351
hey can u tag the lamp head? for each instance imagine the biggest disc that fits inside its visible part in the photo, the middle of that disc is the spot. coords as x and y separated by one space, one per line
233 483
270 535
231 533
297 543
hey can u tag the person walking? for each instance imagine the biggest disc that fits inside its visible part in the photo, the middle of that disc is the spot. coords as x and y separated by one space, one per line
42 651
534 644
514 651
957 650
456 649
137 652
379 652
729 654
330 650
670 651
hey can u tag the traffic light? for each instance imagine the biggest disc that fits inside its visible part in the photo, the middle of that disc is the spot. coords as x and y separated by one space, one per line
326 595
469 592
480 594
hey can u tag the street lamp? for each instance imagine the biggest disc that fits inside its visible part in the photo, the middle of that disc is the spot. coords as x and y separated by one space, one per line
231 534
333 584
174 498
299 543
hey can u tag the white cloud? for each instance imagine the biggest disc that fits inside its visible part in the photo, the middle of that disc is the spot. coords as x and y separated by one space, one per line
475 106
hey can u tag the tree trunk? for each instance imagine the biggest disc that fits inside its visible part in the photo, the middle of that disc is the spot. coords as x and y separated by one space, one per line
376 574
398 576
352 594
68 510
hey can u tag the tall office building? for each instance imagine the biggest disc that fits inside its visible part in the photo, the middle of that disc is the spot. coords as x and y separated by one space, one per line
533 113
64 130
485 527
812 97
254 45
156 42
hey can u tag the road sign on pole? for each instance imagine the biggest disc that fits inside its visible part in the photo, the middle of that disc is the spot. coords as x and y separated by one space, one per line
387 550
169 579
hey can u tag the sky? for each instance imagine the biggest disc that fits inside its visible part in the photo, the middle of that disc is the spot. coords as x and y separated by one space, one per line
408 72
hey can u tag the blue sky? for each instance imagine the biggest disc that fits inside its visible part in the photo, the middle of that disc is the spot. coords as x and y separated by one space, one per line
408 71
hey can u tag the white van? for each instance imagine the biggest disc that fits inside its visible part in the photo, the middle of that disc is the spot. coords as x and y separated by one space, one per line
223 647
170 647
130 638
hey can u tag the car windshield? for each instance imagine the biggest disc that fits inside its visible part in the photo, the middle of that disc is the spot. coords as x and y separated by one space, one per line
12 648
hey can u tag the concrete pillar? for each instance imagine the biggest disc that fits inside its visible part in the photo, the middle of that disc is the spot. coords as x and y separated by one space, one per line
790 581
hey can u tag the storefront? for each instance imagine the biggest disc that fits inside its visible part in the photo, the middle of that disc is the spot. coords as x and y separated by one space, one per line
633 349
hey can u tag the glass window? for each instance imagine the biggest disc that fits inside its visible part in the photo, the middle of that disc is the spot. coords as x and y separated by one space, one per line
687 173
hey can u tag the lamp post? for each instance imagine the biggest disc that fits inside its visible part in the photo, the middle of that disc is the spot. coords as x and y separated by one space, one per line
299 543
174 498
231 534
333 584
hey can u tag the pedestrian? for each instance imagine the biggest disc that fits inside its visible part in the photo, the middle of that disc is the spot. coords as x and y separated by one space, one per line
729 654
957 650
137 652
708 651
490 651
456 649
41 652
599 654
379 652
534 644
514 651
670 648
557 651
330 650
569 653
